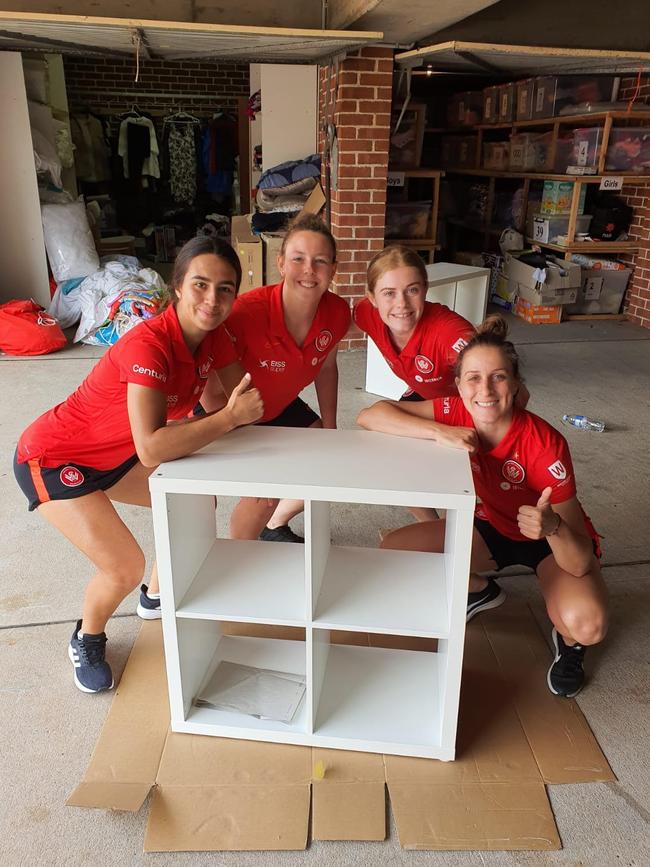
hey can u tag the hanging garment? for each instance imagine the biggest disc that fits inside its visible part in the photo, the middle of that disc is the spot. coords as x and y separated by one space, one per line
218 181
182 163
138 147
91 155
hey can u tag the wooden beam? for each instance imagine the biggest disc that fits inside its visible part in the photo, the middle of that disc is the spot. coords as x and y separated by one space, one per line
342 13
58 45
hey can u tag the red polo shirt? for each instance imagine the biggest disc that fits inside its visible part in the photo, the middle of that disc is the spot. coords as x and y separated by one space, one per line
280 368
426 364
91 427
531 456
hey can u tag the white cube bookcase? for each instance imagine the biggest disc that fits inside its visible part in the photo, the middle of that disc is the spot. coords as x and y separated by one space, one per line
375 699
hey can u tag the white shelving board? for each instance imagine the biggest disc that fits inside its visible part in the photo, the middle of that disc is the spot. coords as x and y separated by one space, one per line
462 288
357 697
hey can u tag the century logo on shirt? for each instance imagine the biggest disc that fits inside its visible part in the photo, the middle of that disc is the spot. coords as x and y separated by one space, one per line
461 343
273 366
148 371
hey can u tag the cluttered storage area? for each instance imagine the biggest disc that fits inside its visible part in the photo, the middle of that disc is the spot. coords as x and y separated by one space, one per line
540 176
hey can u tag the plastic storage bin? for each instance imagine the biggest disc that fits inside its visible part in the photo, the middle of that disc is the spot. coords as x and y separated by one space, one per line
546 229
555 92
407 219
506 102
524 92
522 151
496 155
465 109
629 150
491 104
601 291
586 148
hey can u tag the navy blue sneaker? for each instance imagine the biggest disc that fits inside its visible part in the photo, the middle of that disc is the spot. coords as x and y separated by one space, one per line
490 597
280 534
566 675
148 608
91 671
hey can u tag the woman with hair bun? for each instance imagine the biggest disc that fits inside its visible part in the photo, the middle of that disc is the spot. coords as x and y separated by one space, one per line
100 445
528 513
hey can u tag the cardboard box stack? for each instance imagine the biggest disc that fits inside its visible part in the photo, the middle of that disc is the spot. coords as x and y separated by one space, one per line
258 254
539 293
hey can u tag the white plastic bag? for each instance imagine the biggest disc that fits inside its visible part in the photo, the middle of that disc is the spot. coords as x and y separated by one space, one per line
69 241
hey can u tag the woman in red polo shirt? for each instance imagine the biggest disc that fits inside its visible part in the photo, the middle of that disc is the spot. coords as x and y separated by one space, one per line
529 513
287 337
101 443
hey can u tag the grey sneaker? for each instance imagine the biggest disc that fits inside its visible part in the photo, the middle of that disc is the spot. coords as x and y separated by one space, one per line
148 608
91 671
490 597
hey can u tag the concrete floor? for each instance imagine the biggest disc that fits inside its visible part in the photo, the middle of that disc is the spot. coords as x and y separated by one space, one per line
49 728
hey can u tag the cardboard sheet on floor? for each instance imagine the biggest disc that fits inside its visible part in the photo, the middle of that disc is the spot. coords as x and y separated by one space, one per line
224 794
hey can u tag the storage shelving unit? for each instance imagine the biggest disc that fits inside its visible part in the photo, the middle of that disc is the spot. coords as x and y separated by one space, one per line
428 243
357 697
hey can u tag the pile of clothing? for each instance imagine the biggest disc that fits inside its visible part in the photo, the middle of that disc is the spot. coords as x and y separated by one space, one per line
284 189
109 302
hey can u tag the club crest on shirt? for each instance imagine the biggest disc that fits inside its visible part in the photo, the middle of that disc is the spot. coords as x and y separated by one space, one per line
203 369
513 472
557 470
323 340
71 477
423 364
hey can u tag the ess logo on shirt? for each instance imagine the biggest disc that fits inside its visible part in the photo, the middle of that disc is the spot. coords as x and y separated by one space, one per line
71 477
423 364
273 366
557 470
459 344
513 472
323 340
147 371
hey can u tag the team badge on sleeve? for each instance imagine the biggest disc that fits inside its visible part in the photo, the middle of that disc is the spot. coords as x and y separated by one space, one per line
558 471
461 343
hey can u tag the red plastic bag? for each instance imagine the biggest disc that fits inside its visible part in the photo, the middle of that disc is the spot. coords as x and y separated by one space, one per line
27 329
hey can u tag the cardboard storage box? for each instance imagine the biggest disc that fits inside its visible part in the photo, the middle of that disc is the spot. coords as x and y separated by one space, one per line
507 95
249 249
272 245
601 291
538 314
219 794
557 195
560 286
524 91
491 104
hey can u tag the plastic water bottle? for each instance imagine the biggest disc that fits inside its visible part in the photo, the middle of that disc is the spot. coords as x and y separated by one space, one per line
584 423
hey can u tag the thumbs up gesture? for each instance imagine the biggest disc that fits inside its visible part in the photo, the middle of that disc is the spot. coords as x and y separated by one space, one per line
537 522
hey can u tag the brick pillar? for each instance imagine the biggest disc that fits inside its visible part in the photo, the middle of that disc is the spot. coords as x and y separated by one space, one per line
362 119
637 299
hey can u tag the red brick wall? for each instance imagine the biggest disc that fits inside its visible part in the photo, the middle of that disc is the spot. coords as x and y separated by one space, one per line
361 114
107 86
637 298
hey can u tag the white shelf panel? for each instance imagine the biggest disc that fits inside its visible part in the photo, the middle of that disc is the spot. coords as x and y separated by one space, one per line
397 592
256 582
276 654
388 699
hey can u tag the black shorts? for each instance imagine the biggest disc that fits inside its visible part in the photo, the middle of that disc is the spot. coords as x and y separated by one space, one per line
297 414
511 552
413 397
65 482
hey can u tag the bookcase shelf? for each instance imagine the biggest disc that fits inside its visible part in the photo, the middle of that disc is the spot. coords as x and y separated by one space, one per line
358 696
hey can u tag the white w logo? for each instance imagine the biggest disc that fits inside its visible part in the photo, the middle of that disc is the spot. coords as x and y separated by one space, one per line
557 470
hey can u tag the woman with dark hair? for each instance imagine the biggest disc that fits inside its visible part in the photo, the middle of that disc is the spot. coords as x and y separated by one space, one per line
101 443
287 337
528 513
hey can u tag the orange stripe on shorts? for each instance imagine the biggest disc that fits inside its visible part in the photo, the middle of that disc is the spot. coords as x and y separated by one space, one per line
39 485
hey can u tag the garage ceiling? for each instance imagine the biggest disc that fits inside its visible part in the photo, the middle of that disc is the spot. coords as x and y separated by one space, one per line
519 60
171 40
